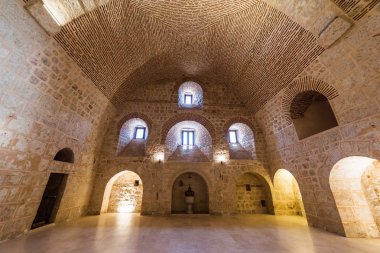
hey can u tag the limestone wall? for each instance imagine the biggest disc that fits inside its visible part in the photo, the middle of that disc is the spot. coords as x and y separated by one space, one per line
126 196
250 200
46 104
219 111
351 68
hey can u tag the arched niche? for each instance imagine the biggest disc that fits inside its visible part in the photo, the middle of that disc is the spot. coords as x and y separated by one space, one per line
190 95
123 193
311 113
198 185
288 198
64 155
241 141
355 185
132 137
253 194
176 149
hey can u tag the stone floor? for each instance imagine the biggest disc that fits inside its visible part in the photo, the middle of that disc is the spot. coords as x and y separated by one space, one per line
125 233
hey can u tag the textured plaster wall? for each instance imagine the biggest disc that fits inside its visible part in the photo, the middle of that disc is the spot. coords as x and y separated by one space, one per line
352 67
46 104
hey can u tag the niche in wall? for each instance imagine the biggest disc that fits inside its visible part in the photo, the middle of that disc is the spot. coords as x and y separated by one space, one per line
311 113
65 155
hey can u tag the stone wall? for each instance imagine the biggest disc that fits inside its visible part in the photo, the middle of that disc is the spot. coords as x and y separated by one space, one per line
371 185
351 68
288 199
220 108
250 200
126 196
46 104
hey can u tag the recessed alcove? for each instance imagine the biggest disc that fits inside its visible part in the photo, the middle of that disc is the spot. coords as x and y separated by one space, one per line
190 95
132 138
188 141
311 113
198 185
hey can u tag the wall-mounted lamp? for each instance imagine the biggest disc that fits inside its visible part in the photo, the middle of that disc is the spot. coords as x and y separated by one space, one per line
159 157
221 162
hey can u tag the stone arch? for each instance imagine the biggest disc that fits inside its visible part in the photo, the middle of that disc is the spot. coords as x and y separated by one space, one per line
127 145
307 83
288 198
198 184
202 143
108 190
253 193
197 171
65 155
239 119
354 183
132 115
186 117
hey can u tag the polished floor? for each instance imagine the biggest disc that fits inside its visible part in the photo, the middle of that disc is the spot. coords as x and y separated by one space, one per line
124 233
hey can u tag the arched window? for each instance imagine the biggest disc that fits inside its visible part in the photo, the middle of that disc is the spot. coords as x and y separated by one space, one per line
311 114
65 155
241 141
190 95
188 140
132 137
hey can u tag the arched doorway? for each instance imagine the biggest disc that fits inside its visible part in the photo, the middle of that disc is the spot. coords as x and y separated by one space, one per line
253 195
355 185
198 185
287 194
123 193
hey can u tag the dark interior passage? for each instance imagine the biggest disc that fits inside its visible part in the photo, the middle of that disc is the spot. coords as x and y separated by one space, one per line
50 201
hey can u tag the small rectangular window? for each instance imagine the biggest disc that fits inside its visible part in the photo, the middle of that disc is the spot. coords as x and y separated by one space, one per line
232 136
187 137
140 133
188 99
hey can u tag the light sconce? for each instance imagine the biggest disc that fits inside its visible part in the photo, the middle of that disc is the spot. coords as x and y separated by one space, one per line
222 159
159 157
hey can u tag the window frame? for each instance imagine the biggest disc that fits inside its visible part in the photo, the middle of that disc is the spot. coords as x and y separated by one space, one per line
236 136
183 131
139 128
191 99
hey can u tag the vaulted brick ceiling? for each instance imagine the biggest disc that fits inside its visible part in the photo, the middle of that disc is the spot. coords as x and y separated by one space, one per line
247 45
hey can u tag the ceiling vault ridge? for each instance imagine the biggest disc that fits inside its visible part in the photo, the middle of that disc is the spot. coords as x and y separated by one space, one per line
253 48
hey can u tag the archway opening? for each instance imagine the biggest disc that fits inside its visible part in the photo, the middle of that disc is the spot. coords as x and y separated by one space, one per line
311 113
132 138
198 185
188 141
65 155
355 185
288 198
123 193
241 141
253 195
